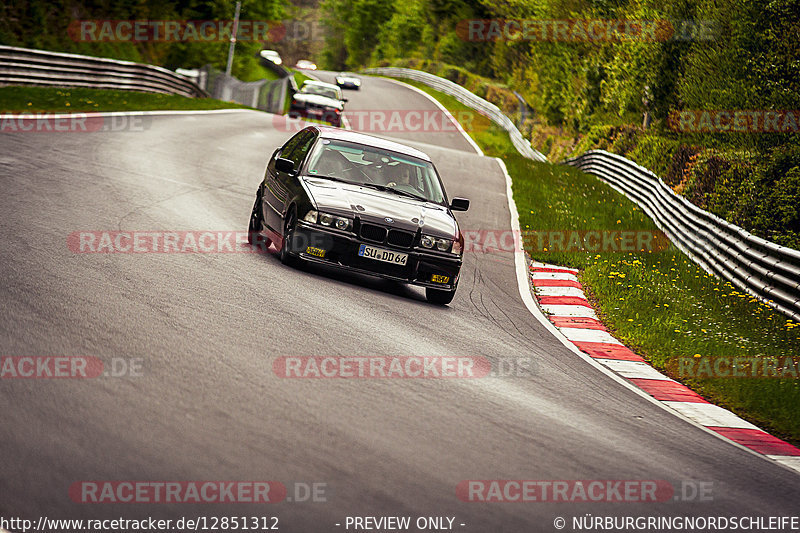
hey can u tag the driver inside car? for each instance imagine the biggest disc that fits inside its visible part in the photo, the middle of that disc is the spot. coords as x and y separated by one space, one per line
398 175
332 163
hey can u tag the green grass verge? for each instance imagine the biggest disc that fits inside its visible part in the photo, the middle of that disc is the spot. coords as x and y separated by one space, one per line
258 73
299 77
78 99
660 304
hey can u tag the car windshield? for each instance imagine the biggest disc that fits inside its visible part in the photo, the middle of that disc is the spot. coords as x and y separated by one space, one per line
330 92
375 167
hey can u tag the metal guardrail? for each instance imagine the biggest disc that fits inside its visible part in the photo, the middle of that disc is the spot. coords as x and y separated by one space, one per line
227 88
765 270
485 108
280 70
267 95
25 66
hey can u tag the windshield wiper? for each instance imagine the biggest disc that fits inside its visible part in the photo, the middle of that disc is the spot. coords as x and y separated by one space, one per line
332 178
396 191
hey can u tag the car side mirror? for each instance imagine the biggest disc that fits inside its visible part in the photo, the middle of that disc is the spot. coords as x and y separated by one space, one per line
284 165
344 99
459 204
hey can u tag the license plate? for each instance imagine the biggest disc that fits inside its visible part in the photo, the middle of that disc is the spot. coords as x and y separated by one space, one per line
436 278
379 254
315 112
317 252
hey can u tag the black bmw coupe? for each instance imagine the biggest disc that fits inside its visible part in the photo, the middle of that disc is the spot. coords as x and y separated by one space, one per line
359 202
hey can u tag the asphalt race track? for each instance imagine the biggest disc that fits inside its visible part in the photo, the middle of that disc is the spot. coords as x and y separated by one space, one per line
207 327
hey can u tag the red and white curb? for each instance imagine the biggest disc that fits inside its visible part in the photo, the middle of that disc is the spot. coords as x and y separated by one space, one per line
561 297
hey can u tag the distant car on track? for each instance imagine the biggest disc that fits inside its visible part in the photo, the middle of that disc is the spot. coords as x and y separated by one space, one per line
320 101
348 80
305 64
271 55
354 201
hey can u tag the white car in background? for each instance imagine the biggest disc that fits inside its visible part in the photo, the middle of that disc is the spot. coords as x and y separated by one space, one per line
305 64
348 80
318 100
271 55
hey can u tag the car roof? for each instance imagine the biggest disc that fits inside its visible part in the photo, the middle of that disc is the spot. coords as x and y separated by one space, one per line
327 132
320 84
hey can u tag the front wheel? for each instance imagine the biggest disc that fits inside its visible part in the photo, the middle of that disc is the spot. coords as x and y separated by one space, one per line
288 232
254 236
439 296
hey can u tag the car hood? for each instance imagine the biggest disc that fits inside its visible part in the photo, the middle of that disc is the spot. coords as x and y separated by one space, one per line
371 205
318 99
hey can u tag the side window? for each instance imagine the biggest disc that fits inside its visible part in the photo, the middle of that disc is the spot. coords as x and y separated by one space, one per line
305 147
290 146
297 148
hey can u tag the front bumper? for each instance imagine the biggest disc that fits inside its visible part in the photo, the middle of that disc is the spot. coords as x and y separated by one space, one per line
341 250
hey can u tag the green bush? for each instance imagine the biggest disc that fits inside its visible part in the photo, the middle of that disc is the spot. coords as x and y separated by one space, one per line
663 156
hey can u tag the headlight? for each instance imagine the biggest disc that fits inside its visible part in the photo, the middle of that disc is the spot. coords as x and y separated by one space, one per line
326 219
443 245
311 217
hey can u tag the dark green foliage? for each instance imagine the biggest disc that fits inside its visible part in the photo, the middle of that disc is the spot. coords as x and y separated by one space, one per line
709 54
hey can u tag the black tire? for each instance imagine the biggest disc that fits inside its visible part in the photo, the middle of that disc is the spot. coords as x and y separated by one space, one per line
288 231
439 296
254 235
